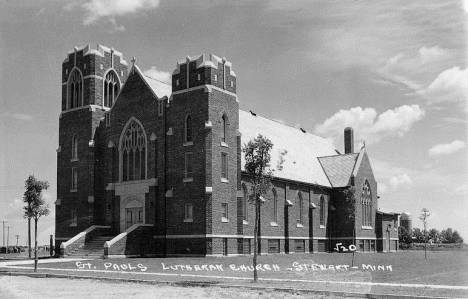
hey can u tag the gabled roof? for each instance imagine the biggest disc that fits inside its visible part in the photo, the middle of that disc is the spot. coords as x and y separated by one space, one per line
294 153
159 88
339 168
386 211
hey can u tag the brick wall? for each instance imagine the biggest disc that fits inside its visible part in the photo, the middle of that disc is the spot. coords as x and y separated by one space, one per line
386 230
134 243
224 192
195 104
204 106
79 122
286 228
365 173
91 65
207 76
83 122
98 166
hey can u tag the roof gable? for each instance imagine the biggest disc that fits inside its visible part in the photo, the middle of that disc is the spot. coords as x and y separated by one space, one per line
339 168
158 88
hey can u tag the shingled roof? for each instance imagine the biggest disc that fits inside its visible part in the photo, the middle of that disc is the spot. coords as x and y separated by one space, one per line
294 153
339 168
386 211
160 88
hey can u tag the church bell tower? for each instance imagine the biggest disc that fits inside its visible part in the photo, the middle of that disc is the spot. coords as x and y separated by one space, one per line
91 81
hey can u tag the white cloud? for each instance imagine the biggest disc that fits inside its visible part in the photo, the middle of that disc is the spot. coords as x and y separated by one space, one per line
158 75
455 120
450 86
446 148
370 127
427 55
426 74
385 170
463 190
415 69
19 116
110 9
40 12
116 26
16 204
400 180
382 188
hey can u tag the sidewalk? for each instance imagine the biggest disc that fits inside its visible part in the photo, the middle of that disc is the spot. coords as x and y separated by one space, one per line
305 284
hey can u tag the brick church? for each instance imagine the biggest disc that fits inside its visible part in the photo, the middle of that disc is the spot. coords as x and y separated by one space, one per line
148 168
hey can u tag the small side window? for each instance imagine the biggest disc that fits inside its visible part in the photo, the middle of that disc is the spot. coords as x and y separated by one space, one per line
74 147
188 212
225 212
74 185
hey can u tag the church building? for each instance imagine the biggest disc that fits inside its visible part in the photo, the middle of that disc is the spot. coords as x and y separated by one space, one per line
149 168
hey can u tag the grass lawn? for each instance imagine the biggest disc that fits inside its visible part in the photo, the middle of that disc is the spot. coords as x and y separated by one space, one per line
23 255
449 268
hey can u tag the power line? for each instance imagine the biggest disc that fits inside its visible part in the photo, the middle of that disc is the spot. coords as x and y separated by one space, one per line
11 187
3 232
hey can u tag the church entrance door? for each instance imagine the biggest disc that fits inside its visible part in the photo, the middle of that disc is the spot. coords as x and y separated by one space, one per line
133 216
133 213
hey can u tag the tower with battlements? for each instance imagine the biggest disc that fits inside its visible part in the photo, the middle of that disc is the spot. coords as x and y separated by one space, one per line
153 168
203 147
91 81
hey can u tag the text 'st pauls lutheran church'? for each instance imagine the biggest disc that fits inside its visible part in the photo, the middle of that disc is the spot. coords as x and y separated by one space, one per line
149 168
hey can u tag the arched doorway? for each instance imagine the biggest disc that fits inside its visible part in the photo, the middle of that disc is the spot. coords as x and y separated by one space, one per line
133 213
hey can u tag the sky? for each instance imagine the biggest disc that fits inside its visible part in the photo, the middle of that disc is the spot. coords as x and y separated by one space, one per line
395 71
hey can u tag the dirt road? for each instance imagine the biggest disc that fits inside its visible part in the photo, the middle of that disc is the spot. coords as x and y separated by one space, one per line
21 287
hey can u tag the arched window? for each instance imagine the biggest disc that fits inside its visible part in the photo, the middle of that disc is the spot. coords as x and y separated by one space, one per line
75 90
245 202
322 210
275 205
133 152
224 123
301 208
74 147
111 88
188 129
366 203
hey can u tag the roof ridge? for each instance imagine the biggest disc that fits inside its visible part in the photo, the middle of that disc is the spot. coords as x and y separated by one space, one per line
167 83
299 129
325 172
340 155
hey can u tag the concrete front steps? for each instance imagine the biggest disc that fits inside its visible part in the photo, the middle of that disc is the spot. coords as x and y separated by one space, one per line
92 249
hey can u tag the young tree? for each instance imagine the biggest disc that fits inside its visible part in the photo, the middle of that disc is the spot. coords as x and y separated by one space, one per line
424 217
257 161
350 204
35 208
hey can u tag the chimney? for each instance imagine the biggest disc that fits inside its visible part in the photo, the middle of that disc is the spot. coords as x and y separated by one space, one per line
348 140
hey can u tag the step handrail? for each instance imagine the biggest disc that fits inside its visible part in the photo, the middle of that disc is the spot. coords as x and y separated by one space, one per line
109 243
79 236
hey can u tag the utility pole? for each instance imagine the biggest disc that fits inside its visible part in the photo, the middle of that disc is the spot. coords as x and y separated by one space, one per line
3 232
17 237
8 237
